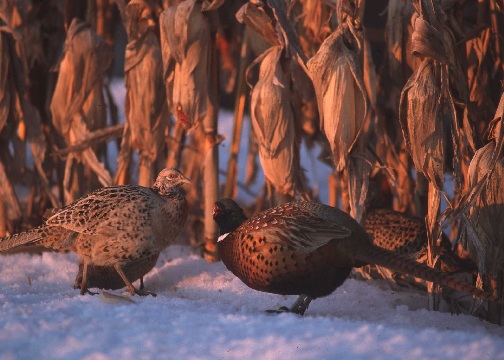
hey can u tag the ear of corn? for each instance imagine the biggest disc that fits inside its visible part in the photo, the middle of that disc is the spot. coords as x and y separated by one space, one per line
186 51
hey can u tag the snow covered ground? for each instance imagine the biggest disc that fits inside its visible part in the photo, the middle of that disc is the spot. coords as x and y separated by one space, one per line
203 312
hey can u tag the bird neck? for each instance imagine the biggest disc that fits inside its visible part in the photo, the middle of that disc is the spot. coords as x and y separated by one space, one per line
230 224
172 192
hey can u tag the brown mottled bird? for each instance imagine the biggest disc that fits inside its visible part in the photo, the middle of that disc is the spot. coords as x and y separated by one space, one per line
106 277
307 249
407 235
115 226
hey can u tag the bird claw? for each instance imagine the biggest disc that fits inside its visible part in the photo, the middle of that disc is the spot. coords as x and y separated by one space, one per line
140 292
281 310
87 291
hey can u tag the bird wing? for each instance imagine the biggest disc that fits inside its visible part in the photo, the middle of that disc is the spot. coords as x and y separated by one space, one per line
106 211
300 228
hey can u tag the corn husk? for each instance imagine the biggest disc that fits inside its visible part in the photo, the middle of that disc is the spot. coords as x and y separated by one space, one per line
273 116
399 28
186 52
341 93
146 111
481 231
273 123
311 19
20 48
485 241
77 103
421 117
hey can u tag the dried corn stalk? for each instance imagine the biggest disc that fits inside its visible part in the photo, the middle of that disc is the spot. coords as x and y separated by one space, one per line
311 19
481 229
186 51
273 118
336 72
273 123
341 92
400 17
483 235
426 101
146 111
191 79
77 105
19 42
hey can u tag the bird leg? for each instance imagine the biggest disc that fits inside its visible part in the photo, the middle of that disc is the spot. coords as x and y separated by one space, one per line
83 286
131 288
299 307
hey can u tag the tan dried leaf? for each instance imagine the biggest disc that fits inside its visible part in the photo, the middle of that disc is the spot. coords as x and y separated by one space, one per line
486 243
421 118
79 86
341 94
110 298
186 52
258 20
482 232
145 104
77 103
398 34
273 122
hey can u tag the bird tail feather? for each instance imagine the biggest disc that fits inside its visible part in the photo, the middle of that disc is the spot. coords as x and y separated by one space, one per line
396 262
23 238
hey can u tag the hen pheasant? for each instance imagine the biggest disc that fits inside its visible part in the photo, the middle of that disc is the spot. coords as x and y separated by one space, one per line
407 235
307 249
106 277
115 226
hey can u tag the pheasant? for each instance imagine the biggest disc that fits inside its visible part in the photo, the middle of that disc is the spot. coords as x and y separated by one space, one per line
307 249
404 234
106 277
115 226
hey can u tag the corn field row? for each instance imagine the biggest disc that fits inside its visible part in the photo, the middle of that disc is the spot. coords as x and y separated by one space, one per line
397 93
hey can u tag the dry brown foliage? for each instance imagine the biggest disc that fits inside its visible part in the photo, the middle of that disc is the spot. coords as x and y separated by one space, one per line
147 117
77 103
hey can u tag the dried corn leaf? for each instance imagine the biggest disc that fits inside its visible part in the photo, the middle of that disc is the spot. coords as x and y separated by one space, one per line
486 244
341 93
211 5
110 298
77 103
311 19
13 98
485 200
85 61
273 122
421 118
256 18
145 104
186 52
8 196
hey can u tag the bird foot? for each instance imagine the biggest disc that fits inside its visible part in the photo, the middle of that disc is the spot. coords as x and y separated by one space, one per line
285 309
299 307
85 291
141 292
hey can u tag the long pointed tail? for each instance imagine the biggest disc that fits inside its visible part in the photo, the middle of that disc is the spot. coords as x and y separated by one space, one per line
24 238
399 263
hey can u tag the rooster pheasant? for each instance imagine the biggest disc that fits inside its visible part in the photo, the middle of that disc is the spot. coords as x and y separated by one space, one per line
307 249
115 226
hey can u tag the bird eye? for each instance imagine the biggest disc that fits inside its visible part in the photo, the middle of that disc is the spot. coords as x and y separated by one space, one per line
172 176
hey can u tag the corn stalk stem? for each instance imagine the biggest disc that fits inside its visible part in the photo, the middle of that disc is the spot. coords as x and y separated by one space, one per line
211 162
433 241
232 170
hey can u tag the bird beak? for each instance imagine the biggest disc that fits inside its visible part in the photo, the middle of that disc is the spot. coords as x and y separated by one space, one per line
215 211
185 180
